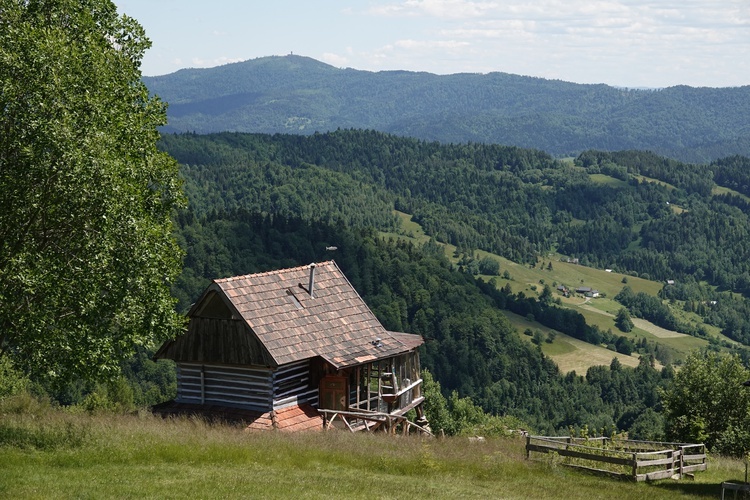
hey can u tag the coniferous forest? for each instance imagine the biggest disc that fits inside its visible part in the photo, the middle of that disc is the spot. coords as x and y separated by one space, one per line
115 215
255 204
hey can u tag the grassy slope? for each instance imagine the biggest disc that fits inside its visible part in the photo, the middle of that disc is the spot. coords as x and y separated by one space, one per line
146 457
571 354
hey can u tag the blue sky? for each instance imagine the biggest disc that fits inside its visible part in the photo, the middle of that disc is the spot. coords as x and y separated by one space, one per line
629 43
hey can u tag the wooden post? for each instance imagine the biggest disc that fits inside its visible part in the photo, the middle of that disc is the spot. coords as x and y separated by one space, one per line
528 442
635 466
203 385
682 460
670 465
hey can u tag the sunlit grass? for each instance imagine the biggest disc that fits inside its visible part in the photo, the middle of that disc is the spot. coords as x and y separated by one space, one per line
599 312
146 457
607 180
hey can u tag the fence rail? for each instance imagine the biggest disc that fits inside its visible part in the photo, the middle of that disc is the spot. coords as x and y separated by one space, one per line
623 458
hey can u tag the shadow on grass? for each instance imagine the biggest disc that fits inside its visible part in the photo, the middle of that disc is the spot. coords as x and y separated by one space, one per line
707 490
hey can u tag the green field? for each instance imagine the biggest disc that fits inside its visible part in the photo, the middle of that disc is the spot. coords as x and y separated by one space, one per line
607 180
717 190
51 453
570 353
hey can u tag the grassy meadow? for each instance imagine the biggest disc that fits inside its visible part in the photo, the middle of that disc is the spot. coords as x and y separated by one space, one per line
567 352
54 453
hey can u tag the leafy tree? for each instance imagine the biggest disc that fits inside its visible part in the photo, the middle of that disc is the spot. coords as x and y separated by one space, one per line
624 345
648 426
489 266
86 247
623 321
538 337
706 402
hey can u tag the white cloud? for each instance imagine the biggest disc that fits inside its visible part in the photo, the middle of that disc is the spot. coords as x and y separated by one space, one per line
622 41
198 62
334 59
446 9
429 44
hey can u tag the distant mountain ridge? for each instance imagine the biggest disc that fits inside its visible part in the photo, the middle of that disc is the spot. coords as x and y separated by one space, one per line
299 95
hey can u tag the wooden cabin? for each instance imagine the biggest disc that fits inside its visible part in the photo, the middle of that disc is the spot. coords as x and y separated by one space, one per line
294 349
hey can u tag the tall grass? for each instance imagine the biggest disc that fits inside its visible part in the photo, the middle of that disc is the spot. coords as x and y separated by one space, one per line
48 452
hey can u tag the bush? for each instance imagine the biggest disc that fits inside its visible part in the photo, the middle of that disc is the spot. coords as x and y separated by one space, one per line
12 381
489 266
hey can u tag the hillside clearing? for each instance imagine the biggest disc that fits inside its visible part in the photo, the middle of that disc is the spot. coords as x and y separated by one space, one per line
570 354
657 331
554 270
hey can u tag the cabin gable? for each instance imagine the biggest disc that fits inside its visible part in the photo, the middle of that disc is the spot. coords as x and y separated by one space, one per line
214 305
294 338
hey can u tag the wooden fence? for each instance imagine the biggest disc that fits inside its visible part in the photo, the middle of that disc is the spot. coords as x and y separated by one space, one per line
622 458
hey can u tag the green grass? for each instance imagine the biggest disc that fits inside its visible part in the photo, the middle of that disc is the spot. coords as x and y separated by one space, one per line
607 180
140 456
570 354
717 190
599 311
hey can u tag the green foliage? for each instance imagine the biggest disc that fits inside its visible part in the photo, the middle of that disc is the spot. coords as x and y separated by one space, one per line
538 337
470 346
706 402
513 202
489 266
648 426
560 117
12 381
114 396
86 245
623 321
455 416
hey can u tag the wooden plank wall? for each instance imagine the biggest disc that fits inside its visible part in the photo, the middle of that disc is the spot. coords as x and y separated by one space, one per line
291 385
218 341
223 385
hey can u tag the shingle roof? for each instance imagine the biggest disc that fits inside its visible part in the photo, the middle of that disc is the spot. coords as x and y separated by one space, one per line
334 323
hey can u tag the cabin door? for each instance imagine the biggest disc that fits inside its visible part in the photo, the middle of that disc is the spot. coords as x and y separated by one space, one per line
334 391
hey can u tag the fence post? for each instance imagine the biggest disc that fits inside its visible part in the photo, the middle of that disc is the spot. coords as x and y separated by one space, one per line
528 442
635 466
682 460
670 465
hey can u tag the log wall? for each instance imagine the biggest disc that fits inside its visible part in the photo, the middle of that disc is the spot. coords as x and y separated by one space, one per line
292 386
249 388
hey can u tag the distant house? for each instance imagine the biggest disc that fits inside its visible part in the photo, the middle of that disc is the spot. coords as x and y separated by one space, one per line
587 291
293 349
670 282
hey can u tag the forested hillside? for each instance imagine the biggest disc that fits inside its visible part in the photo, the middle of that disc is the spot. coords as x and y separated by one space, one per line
95 225
261 202
631 211
470 346
299 95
